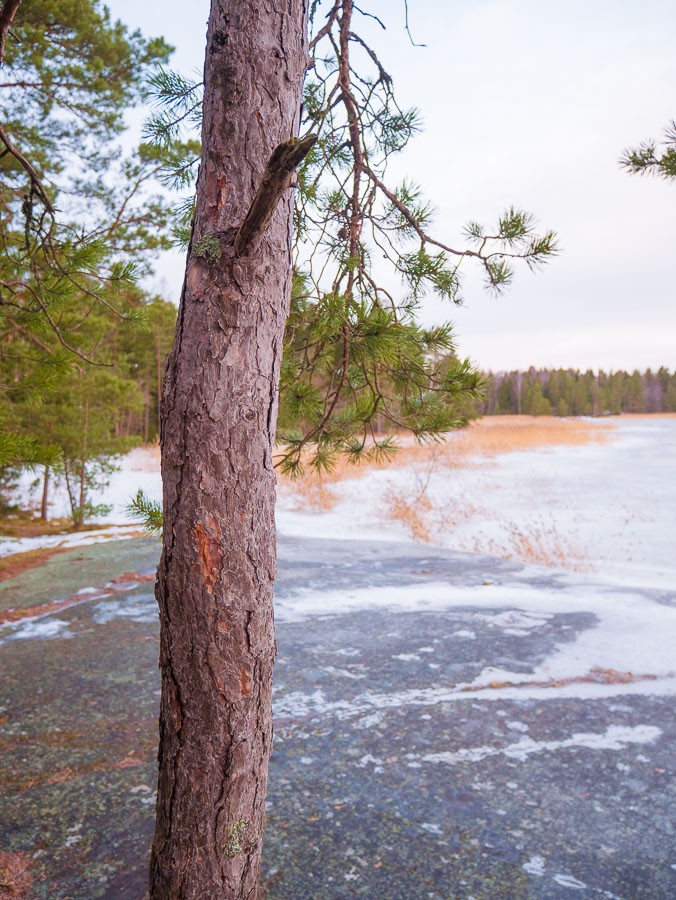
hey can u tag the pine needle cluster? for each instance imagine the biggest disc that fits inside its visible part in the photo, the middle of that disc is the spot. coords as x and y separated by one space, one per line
145 511
646 159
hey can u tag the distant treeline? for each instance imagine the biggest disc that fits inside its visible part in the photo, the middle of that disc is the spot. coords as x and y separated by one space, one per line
568 392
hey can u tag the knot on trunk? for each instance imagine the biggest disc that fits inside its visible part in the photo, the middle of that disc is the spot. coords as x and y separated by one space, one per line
276 179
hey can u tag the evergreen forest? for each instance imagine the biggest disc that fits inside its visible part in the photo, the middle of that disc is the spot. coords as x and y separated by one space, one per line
568 392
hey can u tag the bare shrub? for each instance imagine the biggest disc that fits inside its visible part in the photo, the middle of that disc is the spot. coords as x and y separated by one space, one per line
410 513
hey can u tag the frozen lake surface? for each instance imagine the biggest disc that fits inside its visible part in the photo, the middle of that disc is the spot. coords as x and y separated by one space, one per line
606 506
446 725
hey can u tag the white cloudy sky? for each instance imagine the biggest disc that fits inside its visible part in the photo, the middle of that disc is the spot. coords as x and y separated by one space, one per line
527 102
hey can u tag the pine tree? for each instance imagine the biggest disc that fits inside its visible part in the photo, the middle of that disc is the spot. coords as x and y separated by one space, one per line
354 354
77 214
142 352
83 417
534 402
349 338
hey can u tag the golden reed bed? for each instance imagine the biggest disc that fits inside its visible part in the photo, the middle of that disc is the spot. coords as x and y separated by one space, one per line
482 438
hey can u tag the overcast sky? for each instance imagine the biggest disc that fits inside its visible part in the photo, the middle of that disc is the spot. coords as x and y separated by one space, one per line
526 102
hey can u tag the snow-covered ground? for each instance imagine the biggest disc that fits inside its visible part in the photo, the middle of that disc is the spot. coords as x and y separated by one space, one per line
603 507
524 642
138 469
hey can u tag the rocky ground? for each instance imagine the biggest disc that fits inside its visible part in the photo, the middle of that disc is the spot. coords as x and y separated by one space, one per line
397 771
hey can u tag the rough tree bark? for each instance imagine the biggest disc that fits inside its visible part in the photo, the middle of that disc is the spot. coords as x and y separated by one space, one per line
219 406
7 12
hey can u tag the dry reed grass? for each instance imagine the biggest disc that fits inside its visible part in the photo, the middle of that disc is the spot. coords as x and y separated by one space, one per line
508 434
537 543
411 514
540 544
482 439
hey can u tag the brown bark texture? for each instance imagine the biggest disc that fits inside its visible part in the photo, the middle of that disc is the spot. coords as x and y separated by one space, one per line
7 12
219 409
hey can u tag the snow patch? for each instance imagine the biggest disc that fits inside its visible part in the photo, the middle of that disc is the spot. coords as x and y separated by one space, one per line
616 737
568 881
8 545
343 673
141 608
33 629
463 633
535 866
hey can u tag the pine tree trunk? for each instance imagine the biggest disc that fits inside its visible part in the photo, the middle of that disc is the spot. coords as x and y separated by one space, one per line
158 370
83 467
219 407
45 495
71 493
146 410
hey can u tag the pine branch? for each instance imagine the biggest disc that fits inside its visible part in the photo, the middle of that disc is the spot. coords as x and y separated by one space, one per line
145 511
645 160
36 183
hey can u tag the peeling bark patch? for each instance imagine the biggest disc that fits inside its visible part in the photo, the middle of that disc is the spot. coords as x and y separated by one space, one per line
210 552
173 704
245 682
193 280
215 664
221 190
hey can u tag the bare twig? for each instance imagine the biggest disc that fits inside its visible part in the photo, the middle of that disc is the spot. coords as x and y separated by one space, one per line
408 29
36 183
